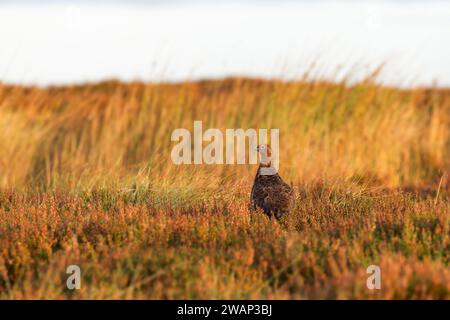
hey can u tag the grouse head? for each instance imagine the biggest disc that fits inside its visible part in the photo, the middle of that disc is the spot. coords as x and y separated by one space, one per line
265 155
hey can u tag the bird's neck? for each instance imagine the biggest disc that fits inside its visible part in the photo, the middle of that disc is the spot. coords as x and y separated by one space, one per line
267 164
266 170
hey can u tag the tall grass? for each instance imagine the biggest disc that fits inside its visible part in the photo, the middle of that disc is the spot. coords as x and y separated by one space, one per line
114 134
86 178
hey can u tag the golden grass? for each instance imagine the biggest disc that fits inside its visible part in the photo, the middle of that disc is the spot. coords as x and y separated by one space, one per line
87 179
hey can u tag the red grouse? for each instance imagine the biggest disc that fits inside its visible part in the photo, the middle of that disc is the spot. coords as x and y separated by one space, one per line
269 192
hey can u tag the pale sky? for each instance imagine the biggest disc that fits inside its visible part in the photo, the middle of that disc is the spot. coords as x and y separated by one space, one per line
75 41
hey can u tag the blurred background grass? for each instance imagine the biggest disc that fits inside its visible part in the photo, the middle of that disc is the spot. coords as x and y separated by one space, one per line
116 135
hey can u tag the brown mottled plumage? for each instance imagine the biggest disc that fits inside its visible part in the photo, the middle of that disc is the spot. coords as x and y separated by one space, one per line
269 192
